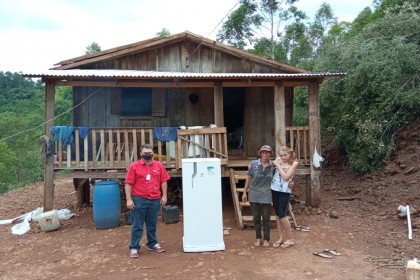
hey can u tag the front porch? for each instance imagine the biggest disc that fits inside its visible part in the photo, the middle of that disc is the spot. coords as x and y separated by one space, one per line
105 153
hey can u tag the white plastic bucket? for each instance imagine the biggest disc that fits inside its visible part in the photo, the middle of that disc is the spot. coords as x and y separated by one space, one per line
49 221
413 269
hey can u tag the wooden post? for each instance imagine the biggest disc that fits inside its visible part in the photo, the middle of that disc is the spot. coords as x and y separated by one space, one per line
49 164
279 117
288 97
313 197
218 105
82 187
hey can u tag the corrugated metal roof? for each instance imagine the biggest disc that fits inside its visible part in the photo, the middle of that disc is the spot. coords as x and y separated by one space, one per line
113 73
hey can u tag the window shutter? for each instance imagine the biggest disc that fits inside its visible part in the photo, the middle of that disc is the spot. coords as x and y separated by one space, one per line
158 102
115 100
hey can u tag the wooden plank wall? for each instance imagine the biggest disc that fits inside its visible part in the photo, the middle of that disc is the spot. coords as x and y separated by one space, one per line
259 120
174 57
96 110
201 113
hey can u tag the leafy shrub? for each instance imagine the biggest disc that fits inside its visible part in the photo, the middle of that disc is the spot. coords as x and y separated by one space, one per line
380 93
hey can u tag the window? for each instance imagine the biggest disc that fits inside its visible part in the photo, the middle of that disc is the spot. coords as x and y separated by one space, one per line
138 102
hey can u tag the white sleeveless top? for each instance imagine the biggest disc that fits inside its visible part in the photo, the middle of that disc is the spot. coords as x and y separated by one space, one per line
278 183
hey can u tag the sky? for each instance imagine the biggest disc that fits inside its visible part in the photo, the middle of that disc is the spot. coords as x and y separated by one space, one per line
36 34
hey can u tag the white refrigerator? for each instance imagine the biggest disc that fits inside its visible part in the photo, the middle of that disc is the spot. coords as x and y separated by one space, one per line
202 205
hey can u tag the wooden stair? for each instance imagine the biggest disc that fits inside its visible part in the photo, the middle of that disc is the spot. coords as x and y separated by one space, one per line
237 176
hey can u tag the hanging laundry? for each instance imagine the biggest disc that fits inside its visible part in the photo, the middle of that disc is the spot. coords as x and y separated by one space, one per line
63 133
165 134
83 131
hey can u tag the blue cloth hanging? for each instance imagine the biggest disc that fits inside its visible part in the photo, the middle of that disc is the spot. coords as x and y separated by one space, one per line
63 133
83 131
165 134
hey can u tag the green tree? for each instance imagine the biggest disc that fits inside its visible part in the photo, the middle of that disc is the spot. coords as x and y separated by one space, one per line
258 25
361 21
300 106
318 30
63 106
6 165
296 43
22 124
264 46
163 33
21 146
238 31
93 48
381 91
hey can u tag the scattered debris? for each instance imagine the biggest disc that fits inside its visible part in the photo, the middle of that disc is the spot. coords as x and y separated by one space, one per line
347 197
333 214
244 253
387 262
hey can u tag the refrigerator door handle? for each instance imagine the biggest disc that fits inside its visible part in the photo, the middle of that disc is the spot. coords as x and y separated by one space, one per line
194 174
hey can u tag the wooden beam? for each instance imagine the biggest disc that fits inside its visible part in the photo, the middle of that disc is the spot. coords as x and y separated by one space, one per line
218 105
138 83
279 116
206 130
203 147
267 83
49 164
176 84
313 196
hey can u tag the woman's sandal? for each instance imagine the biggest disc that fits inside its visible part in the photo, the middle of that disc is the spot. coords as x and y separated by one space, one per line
277 244
302 228
322 255
266 244
333 252
287 245
257 243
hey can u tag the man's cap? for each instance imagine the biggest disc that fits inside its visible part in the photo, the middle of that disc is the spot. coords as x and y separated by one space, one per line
266 148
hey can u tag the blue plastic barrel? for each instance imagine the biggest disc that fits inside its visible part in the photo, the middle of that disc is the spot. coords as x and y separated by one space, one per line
106 204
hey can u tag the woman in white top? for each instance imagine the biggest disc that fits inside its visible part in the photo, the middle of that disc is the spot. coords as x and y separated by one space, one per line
281 190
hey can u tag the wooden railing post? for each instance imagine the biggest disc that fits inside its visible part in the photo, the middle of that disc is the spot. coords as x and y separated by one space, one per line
313 195
279 116
49 160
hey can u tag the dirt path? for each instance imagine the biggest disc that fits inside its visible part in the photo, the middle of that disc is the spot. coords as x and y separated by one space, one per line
79 251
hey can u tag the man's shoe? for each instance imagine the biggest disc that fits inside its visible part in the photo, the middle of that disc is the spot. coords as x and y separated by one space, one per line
134 253
156 248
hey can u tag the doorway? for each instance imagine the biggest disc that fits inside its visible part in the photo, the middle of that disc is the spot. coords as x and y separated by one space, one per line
233 111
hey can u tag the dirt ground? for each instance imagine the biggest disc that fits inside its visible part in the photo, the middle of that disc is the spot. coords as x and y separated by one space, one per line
358 217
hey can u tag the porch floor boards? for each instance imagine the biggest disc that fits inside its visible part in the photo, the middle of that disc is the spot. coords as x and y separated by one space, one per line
237 164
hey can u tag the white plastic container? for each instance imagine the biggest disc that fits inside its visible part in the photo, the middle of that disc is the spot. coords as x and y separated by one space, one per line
413 270
48 221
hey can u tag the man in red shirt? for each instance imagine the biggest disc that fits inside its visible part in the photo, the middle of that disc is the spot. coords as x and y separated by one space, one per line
146 190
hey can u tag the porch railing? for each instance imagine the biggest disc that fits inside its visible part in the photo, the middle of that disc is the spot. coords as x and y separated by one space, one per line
297 138
116 148
202 143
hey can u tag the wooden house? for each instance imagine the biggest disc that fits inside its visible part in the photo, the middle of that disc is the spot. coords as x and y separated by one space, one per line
223 102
